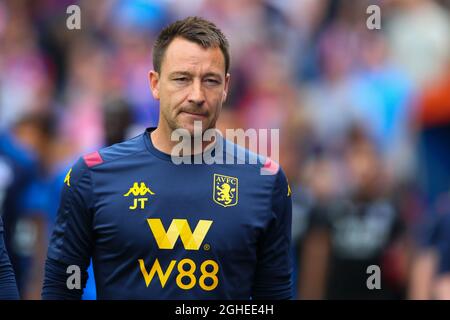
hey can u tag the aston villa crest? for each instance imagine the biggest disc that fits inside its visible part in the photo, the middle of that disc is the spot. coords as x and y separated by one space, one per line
225 191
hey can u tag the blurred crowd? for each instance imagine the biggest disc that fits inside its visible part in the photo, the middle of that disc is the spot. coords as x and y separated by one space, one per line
364 119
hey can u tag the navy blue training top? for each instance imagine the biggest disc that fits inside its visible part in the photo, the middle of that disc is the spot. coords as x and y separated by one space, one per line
157 230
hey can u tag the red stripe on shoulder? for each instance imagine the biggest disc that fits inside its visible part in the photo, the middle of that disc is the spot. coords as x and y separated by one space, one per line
271 166
93 159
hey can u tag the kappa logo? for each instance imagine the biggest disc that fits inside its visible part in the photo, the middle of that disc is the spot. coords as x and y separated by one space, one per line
289 192
67 178
139 190
225 190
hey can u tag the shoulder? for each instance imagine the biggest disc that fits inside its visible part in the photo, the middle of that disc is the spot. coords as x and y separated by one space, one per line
260 167
116 152
241 155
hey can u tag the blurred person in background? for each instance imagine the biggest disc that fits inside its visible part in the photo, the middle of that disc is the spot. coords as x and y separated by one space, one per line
432 129
117 121
382 99
418 36
21 150
25 81
353 231
317 186
429 274
41 197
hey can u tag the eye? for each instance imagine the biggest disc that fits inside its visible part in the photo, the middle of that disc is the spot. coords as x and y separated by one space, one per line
181 79
211 81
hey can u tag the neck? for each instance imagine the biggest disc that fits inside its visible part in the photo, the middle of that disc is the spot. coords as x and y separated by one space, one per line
161 140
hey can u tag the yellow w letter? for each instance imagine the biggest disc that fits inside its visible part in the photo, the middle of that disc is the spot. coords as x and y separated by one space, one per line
179 227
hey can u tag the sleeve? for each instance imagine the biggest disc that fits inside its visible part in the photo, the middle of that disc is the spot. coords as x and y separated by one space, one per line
273 279
72 238
8 286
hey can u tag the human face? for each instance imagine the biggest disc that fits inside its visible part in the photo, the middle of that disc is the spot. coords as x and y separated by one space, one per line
191 86
365 168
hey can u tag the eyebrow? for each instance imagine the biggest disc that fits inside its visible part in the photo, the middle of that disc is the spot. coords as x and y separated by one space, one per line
213 74
180 73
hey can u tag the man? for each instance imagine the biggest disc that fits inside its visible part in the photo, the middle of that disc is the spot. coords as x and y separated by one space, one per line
349 233
160 230
8 287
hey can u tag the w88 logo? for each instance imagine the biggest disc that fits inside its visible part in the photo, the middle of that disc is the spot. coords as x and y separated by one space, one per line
186 278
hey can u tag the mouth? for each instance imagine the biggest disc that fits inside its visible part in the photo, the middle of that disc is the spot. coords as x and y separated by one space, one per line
194 115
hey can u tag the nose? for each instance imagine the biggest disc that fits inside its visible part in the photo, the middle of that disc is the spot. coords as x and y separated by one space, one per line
196 95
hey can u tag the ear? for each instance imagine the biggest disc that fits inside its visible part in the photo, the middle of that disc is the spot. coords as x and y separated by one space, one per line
225 89
153 78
